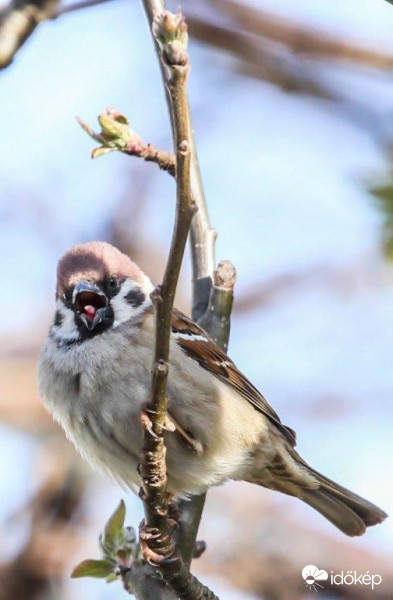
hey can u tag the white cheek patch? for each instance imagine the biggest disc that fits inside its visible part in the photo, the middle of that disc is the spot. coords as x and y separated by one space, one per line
124 309
67 330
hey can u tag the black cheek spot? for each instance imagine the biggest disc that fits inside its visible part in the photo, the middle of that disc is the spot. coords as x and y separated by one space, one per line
59 318
135 297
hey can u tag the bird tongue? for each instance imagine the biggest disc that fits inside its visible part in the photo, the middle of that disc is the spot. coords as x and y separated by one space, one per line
90 311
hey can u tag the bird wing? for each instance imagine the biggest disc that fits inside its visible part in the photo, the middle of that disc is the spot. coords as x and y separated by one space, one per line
200 347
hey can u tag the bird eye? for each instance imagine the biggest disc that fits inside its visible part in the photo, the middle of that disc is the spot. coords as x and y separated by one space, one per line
112 285
112 282
66 298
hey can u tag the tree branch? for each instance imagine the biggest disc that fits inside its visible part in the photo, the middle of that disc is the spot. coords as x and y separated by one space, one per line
216 322
17 22
203 236
158 546
202 242
75 6
301 40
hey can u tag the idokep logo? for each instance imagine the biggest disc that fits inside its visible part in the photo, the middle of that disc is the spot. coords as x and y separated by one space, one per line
314 576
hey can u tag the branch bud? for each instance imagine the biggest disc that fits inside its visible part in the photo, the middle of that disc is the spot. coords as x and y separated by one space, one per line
115 134
170 31
112 126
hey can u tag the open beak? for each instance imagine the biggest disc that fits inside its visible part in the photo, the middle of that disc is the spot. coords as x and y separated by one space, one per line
90 304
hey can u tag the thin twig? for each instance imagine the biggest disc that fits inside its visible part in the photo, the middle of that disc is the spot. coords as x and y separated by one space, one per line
116 134
156 540
203 236
165 160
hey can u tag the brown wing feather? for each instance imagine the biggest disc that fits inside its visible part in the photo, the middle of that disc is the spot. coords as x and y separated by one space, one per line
213 359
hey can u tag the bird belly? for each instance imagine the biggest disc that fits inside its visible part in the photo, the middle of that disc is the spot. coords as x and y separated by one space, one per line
227 427
99 409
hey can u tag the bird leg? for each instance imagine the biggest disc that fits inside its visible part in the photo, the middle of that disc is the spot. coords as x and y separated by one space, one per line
170 424
194 444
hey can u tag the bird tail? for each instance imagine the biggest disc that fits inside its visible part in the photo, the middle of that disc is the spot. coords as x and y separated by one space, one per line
290 474
346 510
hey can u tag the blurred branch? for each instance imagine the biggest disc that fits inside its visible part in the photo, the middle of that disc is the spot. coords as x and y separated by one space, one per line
382 191
260 60
269 48
39 566
301 40
18 21
69 8
289 541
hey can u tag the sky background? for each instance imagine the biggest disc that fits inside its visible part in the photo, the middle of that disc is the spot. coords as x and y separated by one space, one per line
284 177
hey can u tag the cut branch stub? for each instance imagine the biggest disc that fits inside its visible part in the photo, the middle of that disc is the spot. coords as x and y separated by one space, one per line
216 320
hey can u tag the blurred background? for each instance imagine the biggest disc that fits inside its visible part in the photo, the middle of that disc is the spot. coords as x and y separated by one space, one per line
293 112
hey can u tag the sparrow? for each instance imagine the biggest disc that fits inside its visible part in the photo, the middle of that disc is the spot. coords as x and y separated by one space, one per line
95 374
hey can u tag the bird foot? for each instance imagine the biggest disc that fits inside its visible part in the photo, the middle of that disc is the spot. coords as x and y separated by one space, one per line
147 423
157 548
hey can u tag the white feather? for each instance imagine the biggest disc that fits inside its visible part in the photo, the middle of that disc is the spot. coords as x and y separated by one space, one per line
123 310
192 337
67 331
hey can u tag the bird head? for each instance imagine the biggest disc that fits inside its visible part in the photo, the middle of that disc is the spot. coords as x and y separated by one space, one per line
98 287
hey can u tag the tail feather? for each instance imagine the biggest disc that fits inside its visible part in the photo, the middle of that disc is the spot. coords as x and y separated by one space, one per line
367 511
336 511
345 509
290 474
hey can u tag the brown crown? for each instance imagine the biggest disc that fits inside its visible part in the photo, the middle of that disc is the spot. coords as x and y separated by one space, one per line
94 261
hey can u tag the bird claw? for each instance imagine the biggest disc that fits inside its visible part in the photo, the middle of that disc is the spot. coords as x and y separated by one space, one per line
152 558
145 534
147 424
173 524
151 555
169 424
